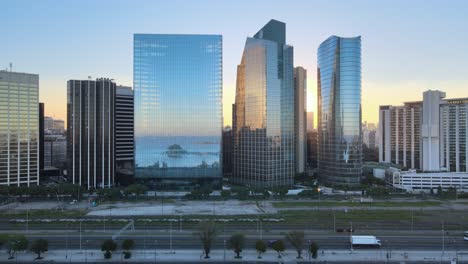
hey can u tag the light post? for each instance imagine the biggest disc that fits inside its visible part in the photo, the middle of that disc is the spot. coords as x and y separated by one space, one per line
86 251
310 253
155 243
318 190
224 252
81 220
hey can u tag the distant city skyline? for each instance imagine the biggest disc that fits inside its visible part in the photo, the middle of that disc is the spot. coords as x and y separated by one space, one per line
407 50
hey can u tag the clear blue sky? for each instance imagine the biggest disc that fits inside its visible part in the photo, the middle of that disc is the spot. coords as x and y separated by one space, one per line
407 46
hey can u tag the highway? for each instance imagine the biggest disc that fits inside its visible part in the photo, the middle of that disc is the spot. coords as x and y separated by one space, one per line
187 240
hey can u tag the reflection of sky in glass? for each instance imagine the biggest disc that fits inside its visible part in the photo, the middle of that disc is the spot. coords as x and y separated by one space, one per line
178 100
339 116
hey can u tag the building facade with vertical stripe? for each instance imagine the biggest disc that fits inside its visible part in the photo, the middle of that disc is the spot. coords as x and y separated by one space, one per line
124 140
428 135
91 133
19 128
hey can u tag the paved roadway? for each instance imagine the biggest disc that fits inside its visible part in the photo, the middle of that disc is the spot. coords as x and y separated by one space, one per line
186 240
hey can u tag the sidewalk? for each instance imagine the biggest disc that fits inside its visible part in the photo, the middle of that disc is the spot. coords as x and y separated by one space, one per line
247 255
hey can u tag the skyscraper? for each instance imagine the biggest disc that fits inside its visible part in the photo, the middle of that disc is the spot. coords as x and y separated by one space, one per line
427 135
19 128
300 117
310 121
264 147
124 140
178 110
339 111
90 132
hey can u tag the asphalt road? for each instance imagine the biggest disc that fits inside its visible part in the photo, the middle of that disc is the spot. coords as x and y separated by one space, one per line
162 240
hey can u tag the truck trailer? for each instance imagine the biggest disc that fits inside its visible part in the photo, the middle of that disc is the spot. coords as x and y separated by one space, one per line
365 241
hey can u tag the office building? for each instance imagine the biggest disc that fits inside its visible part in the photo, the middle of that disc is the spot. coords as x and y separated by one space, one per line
427 135
19 128
178 110
55 151
300 117
124 140
59 126
41 137
312 141
264 142
227 152
339 111
48 124
310 121
90 132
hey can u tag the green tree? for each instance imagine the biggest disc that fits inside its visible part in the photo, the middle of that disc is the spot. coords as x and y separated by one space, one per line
108 246
313 250
281 192
261 248
207 233
225 194
127 245
39 246
296 238
16 243
279 247
136 189
236 243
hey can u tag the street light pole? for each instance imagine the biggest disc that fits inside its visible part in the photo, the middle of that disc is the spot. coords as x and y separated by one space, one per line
80 233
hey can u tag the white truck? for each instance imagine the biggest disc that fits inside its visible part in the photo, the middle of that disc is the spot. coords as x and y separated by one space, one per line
365 241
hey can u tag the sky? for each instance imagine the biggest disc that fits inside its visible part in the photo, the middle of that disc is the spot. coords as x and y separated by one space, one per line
407 46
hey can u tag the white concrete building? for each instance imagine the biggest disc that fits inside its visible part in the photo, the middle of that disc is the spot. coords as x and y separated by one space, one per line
429 135
413 181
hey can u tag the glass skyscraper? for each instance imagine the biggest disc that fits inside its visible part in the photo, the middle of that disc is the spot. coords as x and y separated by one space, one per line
339 111
263 128
19 128
178 109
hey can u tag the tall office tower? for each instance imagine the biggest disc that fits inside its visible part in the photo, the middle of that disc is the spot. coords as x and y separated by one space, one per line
372 139
90 132
178 110
19 128
124 140
300 117
264 146
429 135
41 137
339 106
310 121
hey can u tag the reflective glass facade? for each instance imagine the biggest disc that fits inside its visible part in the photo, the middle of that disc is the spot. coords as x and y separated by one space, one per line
19 128
263 125
339 111
178 109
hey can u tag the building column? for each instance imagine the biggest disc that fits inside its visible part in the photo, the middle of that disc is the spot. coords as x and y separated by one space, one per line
404 137
412 138
397 138
457 139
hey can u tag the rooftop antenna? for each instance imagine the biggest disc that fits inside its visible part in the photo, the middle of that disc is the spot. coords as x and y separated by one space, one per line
89 77
11 67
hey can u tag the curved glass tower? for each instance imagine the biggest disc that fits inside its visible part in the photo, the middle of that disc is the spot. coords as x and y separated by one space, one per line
263 122
339 111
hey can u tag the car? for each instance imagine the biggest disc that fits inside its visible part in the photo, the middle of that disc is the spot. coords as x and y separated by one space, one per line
465 236
271 243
